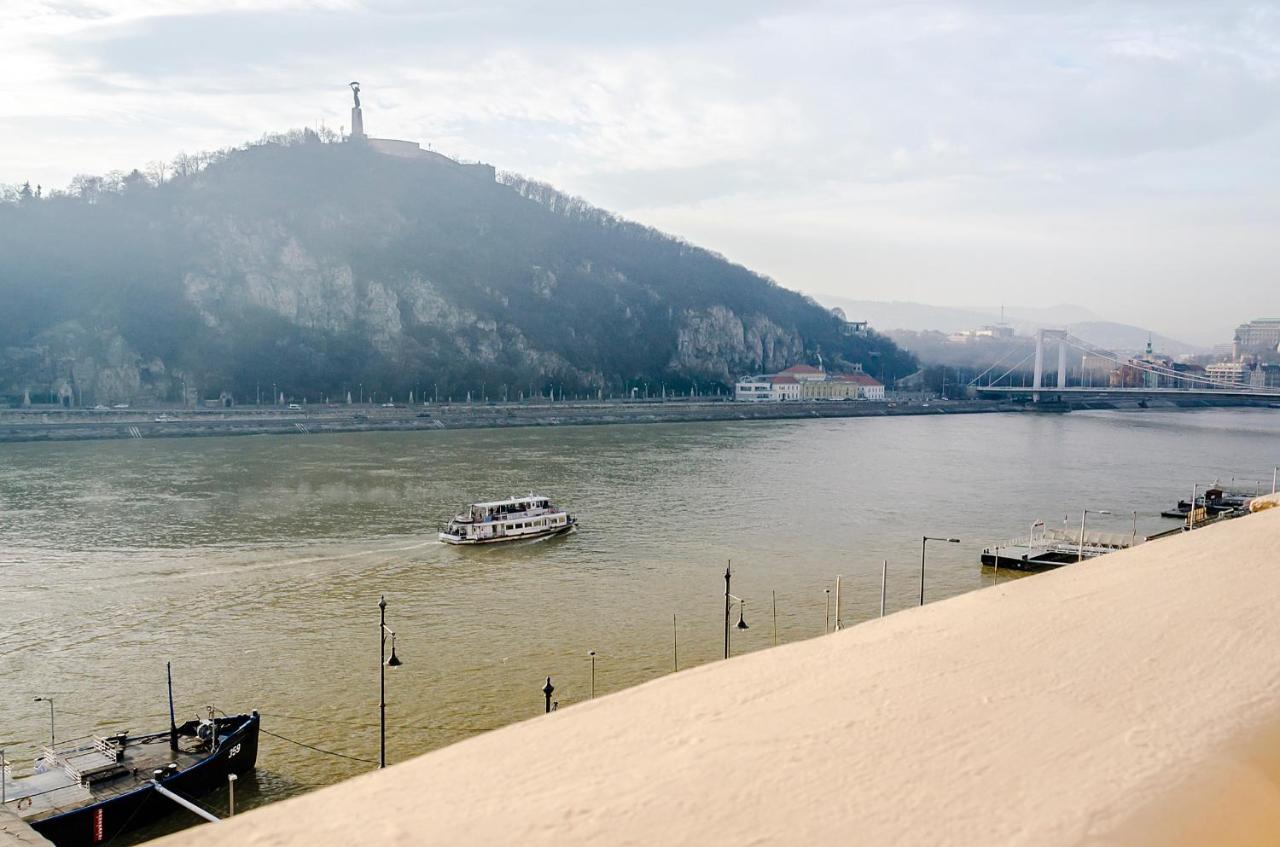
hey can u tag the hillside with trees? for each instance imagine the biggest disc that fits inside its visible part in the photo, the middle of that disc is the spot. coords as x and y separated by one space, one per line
323 267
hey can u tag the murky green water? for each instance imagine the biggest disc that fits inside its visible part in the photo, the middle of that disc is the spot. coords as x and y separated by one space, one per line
255 564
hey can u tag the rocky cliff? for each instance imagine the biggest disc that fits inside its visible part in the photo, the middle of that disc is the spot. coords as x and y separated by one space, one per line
327 268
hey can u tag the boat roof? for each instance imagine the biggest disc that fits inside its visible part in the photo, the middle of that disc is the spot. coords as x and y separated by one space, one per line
510 501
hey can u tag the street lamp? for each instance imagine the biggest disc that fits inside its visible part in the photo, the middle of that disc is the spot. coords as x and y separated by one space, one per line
592 654
49 700
1083 517
924 541
729 600
383 664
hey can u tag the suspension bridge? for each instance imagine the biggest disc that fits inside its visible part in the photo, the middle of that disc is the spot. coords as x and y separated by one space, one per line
1154 378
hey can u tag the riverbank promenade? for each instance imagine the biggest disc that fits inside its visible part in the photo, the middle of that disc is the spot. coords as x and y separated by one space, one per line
1132 699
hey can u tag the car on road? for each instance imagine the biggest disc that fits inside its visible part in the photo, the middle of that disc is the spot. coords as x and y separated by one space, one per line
294 407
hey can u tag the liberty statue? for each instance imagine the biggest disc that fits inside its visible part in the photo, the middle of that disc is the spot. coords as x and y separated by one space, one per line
357 116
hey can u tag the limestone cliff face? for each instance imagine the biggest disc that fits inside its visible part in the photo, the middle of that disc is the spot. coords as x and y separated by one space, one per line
268 269
71 365
717 342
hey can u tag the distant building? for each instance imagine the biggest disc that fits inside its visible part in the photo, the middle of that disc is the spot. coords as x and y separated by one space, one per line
1095 370
804 382
1235 373
990 332
785 387
804 373
754 389
1256 337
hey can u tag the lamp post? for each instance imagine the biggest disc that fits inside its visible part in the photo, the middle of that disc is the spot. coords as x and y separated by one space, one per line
729 599
884 578
592 654
52 737
547 691
383 664
924 542
826 618
1083 517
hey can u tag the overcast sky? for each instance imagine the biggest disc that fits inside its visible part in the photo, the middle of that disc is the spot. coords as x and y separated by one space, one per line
1120 156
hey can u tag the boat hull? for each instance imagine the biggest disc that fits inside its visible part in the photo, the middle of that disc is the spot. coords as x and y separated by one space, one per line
100 822
507 539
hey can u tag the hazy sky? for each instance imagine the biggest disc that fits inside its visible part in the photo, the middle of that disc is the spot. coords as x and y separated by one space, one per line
1120 156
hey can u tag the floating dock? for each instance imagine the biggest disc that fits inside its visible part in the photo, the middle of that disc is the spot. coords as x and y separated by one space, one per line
1054 548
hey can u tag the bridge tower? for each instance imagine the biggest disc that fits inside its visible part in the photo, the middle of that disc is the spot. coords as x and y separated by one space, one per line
1038 377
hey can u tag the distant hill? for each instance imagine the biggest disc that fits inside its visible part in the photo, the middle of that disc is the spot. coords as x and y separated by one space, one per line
326 268
920 317
1126 338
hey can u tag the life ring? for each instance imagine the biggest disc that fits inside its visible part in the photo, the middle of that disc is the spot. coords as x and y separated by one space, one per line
24 803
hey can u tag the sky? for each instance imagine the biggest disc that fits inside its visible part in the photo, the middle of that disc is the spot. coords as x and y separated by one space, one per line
1119 156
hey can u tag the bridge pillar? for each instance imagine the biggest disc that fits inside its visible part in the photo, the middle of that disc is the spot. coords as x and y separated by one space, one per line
1038 376
1062 363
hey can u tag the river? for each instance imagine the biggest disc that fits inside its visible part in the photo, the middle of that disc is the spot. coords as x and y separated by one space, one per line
255 564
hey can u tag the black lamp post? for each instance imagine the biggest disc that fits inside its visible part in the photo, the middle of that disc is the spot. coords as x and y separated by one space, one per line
923 542
383 664
729 599
547 691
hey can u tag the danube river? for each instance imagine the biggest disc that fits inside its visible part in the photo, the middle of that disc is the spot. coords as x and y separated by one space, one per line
255 564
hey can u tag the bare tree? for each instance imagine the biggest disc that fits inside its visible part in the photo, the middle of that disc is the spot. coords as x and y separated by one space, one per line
87 187
157 171
184 165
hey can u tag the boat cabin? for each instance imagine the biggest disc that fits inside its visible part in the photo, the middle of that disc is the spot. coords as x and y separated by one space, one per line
504 509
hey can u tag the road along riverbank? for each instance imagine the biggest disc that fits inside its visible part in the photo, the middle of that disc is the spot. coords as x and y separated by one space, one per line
18 425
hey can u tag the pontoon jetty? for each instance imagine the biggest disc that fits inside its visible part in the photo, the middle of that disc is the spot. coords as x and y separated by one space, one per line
89 790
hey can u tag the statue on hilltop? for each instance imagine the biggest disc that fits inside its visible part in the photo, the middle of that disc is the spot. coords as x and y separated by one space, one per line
357 114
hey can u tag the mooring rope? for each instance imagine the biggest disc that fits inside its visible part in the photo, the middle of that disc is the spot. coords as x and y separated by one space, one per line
317 749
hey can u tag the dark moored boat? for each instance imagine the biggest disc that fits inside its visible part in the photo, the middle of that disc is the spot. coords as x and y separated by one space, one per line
89 790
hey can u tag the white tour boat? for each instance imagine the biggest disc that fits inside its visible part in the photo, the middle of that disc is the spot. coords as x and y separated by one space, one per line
514 519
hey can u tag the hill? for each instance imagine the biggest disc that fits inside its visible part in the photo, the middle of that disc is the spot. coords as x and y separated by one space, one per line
327 268
923 318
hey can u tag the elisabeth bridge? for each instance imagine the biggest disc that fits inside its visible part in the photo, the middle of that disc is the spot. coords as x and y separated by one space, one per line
1158 380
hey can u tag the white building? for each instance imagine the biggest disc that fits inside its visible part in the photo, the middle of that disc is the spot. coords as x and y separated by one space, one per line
1236 373
803 382
753 389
